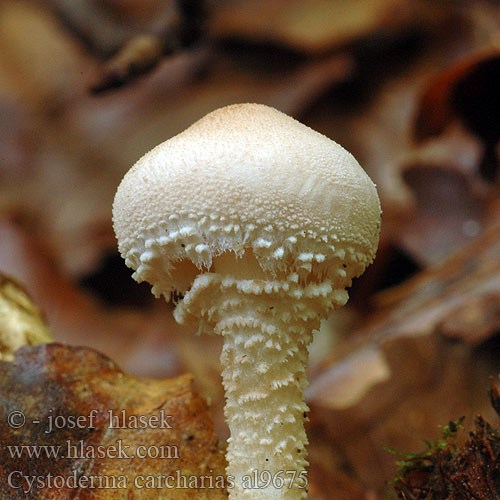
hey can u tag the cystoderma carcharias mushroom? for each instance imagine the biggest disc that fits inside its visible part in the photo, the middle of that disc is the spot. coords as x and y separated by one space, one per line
259 224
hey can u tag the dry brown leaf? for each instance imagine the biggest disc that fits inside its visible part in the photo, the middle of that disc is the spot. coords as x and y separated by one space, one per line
107 26
437 173
136 57
21 322
421 305
122 419
468 91
314 26
180 26
439 225
437 104
327 476
139 341
133 10
41 65
415 364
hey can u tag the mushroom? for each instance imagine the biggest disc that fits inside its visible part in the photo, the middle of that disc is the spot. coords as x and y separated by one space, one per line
256 224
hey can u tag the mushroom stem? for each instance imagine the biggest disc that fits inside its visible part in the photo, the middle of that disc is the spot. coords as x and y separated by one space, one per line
267 327
264 377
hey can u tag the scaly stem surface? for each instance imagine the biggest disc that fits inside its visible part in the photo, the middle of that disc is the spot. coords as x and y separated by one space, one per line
264 359
267 326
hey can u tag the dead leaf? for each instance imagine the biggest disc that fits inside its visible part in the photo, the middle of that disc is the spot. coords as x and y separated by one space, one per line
140 341
423 303
100 422
467 91
415 363
439 225
182 26
42 66
136 57
21 322
107 26
314 26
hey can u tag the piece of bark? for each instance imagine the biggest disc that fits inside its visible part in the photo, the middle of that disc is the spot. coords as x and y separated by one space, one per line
52 386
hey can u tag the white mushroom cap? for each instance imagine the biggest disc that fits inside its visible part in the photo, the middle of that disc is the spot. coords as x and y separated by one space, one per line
246 178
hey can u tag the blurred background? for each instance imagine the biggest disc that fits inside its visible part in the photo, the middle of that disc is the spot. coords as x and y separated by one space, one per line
410 87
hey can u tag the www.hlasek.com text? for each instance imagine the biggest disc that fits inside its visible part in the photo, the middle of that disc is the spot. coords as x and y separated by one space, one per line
79 450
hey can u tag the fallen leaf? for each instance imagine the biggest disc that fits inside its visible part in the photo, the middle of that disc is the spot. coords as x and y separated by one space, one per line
421 358
107 26
438 225
140 341
422 304
46 69
179 26
136 57
21 321
314 26
467 91
104 428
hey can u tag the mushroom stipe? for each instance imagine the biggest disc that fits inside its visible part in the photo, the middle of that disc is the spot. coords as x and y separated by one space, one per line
255 224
